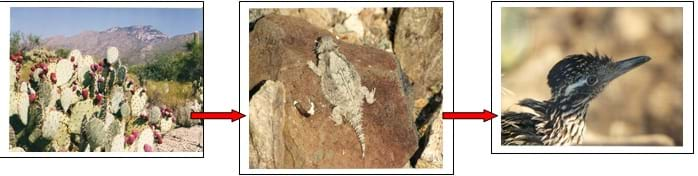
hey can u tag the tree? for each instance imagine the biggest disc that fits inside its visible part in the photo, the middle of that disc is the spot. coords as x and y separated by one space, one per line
33 41
15 39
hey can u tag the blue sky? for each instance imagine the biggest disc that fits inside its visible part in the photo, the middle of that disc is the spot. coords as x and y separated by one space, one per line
70 21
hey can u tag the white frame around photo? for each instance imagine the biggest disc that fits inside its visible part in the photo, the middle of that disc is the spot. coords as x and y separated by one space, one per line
4 97
448 162
688 116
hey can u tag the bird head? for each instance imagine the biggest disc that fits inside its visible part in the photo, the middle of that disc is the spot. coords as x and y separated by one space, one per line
577 79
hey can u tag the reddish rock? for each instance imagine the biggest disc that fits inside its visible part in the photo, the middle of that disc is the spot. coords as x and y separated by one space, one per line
280 46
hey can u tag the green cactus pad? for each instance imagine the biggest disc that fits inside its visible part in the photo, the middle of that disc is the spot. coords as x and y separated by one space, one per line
121 73
46 93
95 133
154 115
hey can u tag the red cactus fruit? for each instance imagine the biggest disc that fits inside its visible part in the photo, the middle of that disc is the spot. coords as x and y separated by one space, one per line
93 67
85 93
32 96
130 139
147 148
135 133
99 98
158 136
43 66
53 78
72 58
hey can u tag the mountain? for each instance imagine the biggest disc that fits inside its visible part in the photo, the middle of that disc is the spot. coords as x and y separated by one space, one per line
137 44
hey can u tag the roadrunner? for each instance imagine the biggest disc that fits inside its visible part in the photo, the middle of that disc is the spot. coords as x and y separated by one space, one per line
574 82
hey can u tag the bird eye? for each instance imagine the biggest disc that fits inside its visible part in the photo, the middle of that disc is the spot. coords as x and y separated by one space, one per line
591 80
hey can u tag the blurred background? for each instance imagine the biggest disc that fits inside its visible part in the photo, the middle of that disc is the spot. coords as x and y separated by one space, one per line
642 107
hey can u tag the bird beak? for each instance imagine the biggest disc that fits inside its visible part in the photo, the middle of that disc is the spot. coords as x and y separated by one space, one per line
621 67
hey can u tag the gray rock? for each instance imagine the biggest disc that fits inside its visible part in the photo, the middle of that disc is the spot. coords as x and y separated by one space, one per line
266 126
418 44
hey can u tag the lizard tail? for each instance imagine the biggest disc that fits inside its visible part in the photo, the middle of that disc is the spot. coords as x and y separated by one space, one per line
360 134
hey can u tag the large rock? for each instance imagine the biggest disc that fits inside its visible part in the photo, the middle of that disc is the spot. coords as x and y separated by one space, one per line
280 46
267 145
418 44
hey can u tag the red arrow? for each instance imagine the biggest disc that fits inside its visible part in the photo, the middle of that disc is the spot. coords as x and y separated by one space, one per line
233 115
485 115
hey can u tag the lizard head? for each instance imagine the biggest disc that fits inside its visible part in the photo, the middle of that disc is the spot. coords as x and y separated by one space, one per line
325 44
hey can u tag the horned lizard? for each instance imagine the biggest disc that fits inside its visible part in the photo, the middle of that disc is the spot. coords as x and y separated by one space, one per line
341 86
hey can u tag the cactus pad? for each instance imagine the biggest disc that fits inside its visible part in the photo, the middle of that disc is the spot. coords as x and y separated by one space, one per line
112 55
64 71
154 115
50 123
81 110
68 98
95 133
138 101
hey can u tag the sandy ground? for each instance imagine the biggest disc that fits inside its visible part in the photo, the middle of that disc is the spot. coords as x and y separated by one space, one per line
183 140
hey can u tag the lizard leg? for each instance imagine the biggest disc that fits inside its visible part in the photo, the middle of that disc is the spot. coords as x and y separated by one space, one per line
337 116
317 70
369 95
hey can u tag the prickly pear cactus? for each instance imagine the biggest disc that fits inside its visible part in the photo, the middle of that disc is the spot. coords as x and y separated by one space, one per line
40 54
50 123
68 98
95 133
77 104
145 137
83 67
112 55
117 97
120 75
64 71
81 110
167 124
13 76
117 144
154 115
138 101
19 103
